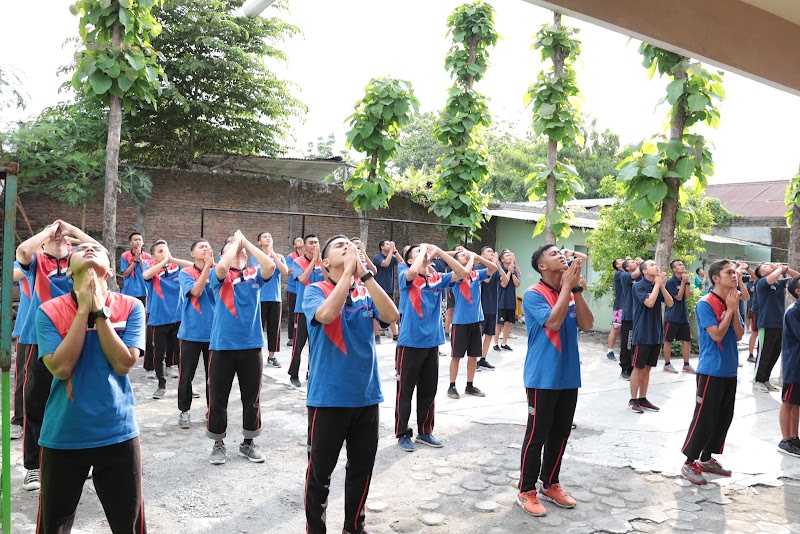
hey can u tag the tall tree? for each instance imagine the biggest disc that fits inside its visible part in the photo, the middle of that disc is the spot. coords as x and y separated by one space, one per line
555 115
10 94
387 106
457 197
222 97
656 174
793 220
118 67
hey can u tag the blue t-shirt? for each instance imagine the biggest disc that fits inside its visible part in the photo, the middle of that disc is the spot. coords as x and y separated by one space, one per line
420 305
467 295
47 279
626 282
237 310
134 284
343 364
677 313
790 356
164 292
753 300
270 291
94 407
489 293
618 291
385 275
552 361
291 281
507 296
24 304
771 302
301 263
197 313
716 358
647 326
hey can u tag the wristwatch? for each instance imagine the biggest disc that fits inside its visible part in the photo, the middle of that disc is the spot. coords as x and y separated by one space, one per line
366 276
578 289
102 313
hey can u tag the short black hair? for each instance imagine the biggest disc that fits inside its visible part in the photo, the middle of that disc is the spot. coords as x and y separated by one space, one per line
324 253
758 269
380 245
259 235
484 248
156 243
625 264
614 263
793 285
133 234
201 240
309 236
222 249
697 271
715 268
538 254
672 263
407 252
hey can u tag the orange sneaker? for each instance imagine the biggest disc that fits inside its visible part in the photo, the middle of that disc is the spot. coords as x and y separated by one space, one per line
557 495
530 503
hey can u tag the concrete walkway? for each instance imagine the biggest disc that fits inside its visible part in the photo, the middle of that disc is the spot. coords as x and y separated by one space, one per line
622 467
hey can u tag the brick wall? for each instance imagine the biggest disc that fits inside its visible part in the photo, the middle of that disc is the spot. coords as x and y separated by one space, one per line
173 212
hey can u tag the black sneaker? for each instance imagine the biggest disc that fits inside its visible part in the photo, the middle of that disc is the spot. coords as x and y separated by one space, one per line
159 393
787 447
447 336
633 405
273 362
472 390
505 347
751 359
497 348
394 338
645 404
486 366
452 392
295 381
377 339
625 376
290 343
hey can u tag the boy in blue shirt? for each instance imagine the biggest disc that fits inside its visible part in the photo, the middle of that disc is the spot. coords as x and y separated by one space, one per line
507 299
307 270
628 277
489 296
417 355
44 259
89 340
236 342
771 294
271 298
467 332
676 317
719 327
554 311
344 388
790 360
648 332
194 333
291 286
164 318
616 309
131 264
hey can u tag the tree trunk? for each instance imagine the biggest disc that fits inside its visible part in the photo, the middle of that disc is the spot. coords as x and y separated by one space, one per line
552 147
112 174
794 239
669 207
363 227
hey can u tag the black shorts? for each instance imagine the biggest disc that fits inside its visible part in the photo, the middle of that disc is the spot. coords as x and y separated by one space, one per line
451 301
271 323
489 324
677 331
466 339
646 355
791 394
506 316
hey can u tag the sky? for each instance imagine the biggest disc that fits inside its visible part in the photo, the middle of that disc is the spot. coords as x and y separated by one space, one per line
345 43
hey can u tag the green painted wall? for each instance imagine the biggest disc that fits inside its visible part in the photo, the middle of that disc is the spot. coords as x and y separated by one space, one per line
516 235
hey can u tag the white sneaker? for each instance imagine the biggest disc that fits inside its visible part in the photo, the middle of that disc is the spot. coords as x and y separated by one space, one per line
760 387
171 372
770 387
668 368
512 335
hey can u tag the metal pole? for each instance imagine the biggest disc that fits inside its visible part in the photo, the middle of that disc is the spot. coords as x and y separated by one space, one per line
391 231
8 172
202 221
303 227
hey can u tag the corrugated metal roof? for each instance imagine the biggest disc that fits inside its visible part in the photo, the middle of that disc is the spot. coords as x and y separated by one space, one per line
532 217
311 170
752 199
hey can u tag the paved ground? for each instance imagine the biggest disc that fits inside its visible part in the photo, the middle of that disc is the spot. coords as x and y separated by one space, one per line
621 467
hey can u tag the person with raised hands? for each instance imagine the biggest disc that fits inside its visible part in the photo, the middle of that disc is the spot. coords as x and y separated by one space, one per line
89 340
344 385
164 316
271 298
555 309
421 333
467 333
307 270
236 343
194 333
43 259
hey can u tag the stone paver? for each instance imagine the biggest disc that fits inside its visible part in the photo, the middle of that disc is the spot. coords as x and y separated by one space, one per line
432 520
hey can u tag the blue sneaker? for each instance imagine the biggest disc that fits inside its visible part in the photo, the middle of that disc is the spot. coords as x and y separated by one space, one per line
428 440
611 356
405 443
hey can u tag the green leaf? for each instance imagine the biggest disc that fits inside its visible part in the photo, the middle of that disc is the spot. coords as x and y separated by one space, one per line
698 102
658 192
546 110
684 168
675 90
99 82
125 17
